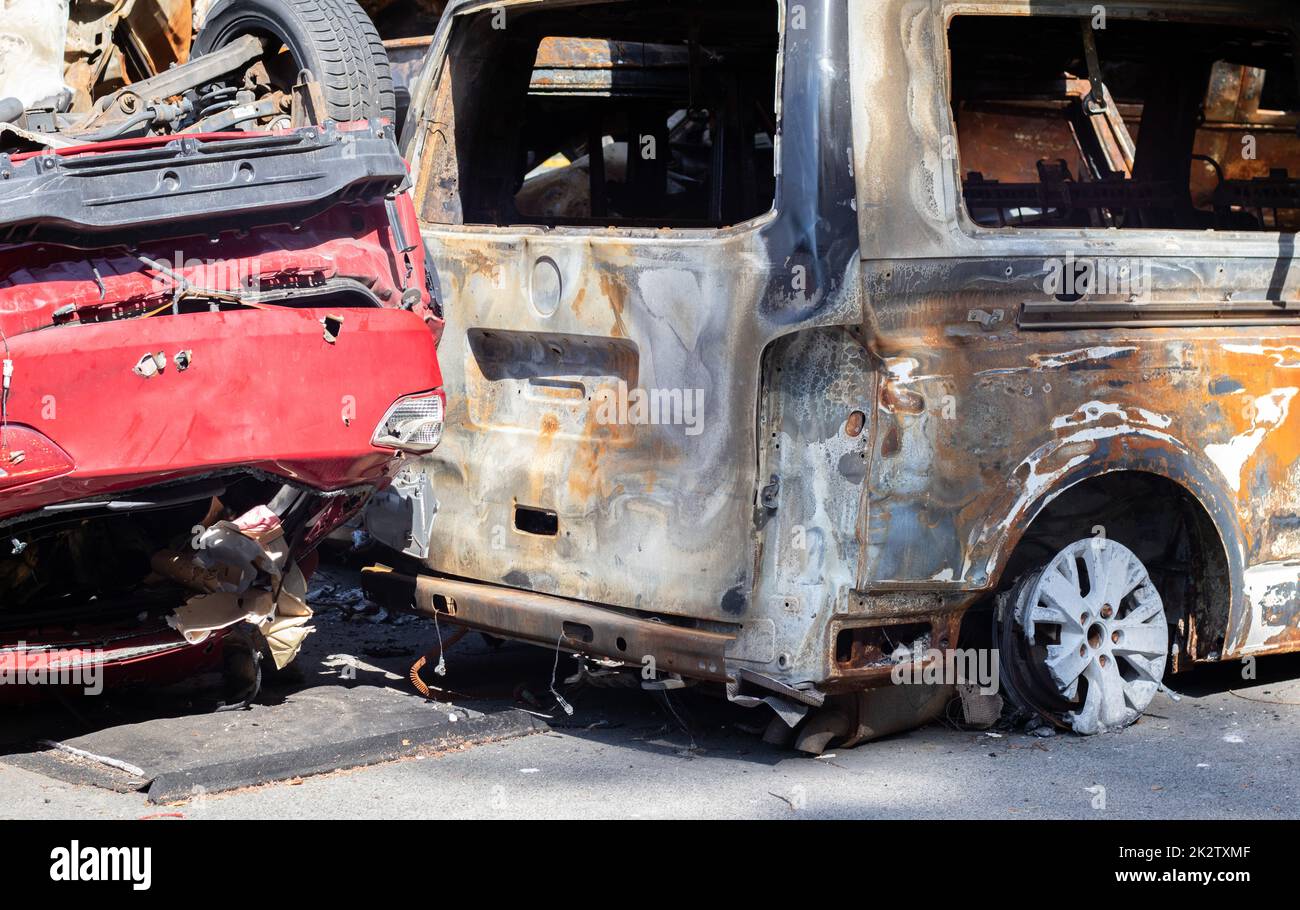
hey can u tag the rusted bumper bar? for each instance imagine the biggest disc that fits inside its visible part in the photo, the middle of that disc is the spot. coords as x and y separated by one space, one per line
552 621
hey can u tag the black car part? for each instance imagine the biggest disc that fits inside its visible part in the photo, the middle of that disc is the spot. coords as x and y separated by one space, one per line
193 185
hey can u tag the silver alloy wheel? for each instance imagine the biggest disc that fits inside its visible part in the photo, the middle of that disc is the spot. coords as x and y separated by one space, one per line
1093 615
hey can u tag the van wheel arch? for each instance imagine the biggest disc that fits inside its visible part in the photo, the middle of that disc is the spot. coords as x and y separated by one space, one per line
1167 526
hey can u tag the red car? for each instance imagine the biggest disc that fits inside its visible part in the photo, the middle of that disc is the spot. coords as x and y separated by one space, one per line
215 350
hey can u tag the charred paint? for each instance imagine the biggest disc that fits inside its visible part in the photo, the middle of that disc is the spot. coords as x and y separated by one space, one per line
972 424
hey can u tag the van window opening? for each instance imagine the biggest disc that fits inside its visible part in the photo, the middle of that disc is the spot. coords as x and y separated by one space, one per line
609 114
1135 125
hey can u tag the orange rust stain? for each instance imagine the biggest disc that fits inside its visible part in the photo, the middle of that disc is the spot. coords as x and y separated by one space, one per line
891 442
1261 366
615 290
585 478
479 263
162 29
901 401
853 427
538 486
1286 641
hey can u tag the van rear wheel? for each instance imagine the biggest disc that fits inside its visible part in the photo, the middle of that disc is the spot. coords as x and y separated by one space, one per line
1084 640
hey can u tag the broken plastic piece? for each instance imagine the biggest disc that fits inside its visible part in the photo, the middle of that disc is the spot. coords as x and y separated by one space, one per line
980 710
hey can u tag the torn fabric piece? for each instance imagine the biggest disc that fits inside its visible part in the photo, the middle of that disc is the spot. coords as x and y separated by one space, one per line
288 629
248 545
232 557
201 616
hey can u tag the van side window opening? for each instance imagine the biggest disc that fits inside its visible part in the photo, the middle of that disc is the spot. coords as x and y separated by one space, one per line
610 114
1135 125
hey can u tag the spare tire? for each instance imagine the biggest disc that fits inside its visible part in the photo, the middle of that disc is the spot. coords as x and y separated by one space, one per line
334 39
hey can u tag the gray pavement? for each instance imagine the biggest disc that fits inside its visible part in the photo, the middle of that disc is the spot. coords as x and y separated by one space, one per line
1226 750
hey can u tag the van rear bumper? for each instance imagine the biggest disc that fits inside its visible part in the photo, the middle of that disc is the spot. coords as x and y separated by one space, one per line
554 621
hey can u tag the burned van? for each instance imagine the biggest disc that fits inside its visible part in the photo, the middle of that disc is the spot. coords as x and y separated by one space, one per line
797 346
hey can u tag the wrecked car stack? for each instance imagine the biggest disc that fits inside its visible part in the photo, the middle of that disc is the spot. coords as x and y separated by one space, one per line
213 348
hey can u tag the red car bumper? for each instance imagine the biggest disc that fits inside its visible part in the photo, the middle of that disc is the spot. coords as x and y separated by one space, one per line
263 395
263 390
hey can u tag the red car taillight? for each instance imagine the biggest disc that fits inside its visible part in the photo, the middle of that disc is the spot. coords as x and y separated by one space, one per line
413 424
27 456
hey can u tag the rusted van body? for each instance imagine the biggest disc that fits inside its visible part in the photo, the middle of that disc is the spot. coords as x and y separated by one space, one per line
1011 284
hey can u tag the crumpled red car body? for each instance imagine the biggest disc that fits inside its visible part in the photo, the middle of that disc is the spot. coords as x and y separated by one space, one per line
161 376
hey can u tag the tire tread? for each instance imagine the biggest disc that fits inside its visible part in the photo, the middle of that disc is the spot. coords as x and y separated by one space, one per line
349 59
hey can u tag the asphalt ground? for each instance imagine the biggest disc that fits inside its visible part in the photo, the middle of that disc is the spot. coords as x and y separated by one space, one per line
1224 750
